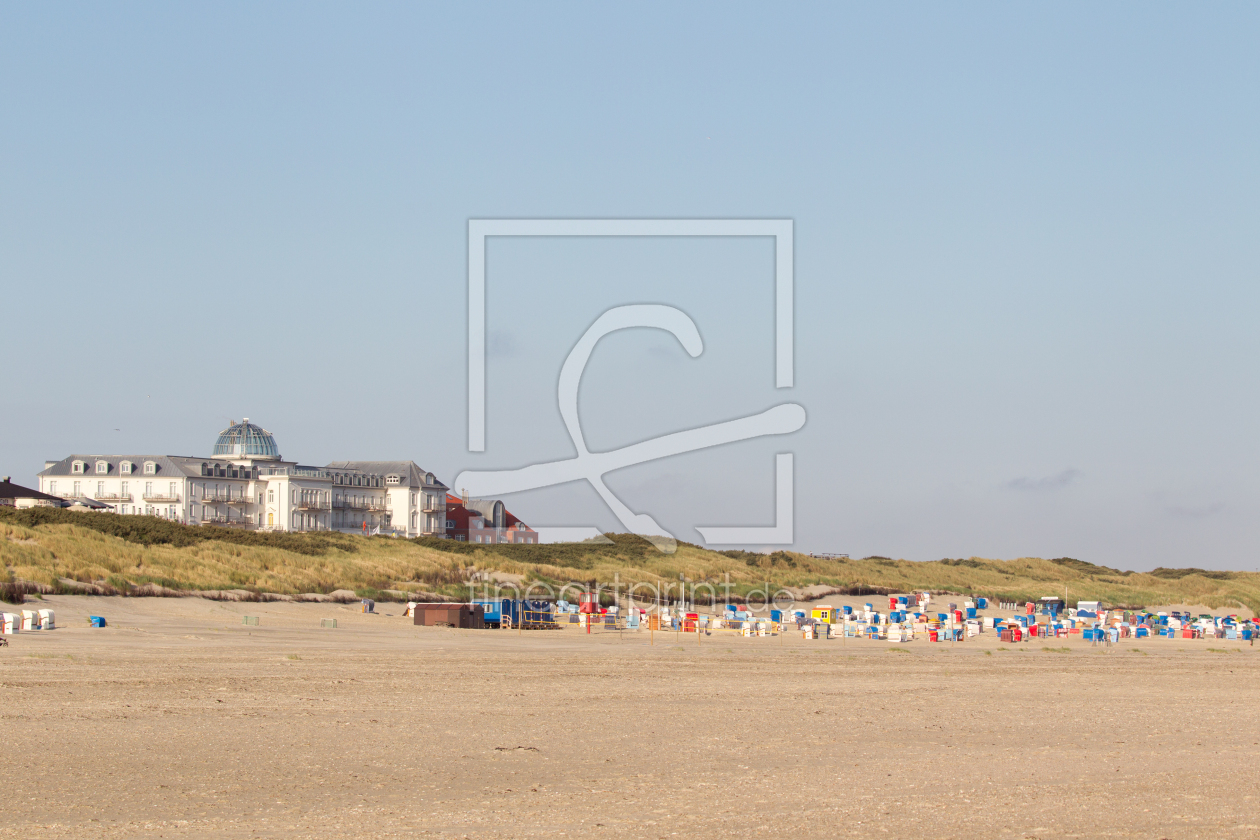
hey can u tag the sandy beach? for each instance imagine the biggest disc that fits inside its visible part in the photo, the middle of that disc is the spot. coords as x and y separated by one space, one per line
176 720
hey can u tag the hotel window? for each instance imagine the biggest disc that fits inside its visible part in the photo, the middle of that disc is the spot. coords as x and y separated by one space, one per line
100 489
52 488
102 467
271 495
150 468
148 489
77 492
124 489
76 467
125 468
172 493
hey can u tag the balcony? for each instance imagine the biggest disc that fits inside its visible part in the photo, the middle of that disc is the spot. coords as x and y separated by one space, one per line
433 507
361 504
114 497
224 499
312 505
162 498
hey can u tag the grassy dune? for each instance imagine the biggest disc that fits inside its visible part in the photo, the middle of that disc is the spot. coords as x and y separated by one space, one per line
48 546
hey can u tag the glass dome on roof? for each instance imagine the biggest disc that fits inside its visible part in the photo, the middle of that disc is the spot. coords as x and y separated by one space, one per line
245 440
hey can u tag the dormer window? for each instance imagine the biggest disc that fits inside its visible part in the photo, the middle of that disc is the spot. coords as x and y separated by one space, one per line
124 467
77 467
392 479
150 468
102 467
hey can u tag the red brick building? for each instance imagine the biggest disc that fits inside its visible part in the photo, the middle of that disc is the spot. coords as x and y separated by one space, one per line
485 521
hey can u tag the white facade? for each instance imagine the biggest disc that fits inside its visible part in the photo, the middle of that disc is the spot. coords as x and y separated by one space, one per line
399 493
249 486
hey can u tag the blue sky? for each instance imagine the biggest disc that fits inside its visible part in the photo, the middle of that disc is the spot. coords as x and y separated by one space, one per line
1026 253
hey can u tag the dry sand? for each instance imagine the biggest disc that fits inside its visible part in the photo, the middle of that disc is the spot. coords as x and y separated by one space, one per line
178 721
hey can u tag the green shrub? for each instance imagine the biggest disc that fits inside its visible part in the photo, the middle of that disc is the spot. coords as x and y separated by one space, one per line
1178 574
153 530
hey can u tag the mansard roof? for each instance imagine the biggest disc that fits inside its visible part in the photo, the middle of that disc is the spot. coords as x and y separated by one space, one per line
167 465
413 474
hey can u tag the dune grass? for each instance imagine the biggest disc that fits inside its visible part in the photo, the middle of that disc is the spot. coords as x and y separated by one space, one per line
47 546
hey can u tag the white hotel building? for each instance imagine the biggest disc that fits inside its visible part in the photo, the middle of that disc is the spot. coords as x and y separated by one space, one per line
246 484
